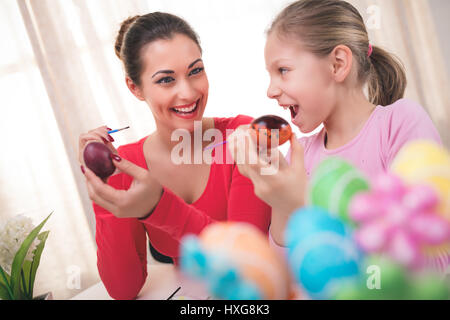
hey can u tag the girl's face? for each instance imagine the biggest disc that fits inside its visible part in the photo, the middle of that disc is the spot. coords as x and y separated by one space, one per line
174 83
300 81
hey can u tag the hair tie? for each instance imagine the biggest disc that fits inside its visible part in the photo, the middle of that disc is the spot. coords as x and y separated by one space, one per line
369 53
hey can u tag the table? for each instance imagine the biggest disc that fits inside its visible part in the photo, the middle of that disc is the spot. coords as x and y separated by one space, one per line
162 281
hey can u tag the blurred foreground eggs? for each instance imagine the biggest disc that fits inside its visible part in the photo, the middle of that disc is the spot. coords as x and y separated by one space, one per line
236 262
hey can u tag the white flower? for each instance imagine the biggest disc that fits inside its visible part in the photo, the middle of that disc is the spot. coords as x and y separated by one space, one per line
12 234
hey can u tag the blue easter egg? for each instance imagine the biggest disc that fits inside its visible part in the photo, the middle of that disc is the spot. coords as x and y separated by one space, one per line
223 279
321 252
193 260
310 220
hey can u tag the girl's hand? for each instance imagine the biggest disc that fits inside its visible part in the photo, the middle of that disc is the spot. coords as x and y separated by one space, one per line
280 185
136 202
100 135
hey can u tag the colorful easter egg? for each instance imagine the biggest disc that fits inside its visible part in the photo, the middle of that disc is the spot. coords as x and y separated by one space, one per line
333 185
429 287
380 279
266 126
237 262
424 161
400 220
384 279
321 252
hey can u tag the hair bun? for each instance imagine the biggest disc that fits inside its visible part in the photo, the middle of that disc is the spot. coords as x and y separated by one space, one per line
124 26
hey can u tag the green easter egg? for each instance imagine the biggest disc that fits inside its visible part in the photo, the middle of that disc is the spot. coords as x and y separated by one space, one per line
385 280
352 291
429 287
334 184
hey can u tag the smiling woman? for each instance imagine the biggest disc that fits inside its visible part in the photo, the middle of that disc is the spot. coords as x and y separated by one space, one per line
150 194
155 83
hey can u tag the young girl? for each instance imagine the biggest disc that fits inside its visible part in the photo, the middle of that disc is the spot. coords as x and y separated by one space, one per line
319 59
152 195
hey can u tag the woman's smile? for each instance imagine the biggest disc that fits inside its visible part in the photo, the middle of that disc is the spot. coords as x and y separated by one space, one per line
188 111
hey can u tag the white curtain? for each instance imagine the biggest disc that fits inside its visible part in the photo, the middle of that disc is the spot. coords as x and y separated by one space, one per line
59 77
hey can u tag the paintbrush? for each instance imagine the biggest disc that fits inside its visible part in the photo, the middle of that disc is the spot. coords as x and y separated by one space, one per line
115 130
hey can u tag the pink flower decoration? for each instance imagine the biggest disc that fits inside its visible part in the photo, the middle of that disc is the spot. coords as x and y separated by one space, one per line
401 221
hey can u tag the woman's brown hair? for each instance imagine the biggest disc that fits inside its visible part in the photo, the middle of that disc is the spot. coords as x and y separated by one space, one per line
138 31
321 25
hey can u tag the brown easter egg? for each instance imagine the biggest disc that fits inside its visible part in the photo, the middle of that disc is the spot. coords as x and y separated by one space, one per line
267 126
97 157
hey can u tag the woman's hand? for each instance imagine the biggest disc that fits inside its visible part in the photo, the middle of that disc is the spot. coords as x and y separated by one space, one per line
136 202
99 135
277 183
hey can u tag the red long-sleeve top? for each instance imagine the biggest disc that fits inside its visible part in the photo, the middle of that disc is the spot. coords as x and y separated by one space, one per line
121 242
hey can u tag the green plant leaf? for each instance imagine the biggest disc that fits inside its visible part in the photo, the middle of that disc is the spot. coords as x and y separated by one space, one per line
20 258
23 284
4 293
30 267
5 288
4 275
24 280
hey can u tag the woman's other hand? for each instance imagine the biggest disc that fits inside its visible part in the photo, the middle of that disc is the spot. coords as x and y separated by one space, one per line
136 202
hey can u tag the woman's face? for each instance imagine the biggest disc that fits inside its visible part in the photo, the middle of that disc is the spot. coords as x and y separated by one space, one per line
300 81
174 83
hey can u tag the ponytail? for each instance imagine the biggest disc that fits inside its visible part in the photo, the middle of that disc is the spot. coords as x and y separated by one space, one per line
387 78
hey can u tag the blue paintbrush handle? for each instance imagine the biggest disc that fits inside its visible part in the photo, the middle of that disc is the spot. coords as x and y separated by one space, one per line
115 130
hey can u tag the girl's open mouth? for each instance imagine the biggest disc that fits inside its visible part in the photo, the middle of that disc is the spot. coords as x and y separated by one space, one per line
294 111
293 108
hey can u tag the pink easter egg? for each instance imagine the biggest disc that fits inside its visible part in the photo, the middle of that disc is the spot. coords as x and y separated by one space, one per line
388 185
420 198
363 207
405 250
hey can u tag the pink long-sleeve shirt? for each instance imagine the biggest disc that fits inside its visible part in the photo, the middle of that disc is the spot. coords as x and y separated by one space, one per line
387 130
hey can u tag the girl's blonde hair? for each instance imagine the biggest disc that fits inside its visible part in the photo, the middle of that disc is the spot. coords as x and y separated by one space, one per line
321 25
